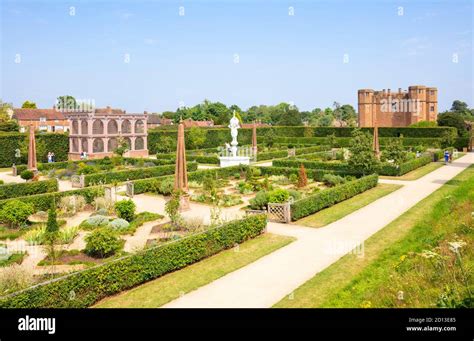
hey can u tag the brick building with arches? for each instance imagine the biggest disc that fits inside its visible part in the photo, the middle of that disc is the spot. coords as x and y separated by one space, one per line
99 131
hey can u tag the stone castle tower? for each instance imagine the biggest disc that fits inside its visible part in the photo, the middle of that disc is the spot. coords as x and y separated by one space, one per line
397 109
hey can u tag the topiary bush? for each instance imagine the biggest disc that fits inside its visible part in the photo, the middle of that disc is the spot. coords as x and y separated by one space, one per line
260 201
15 213
102 243
333 180
125 209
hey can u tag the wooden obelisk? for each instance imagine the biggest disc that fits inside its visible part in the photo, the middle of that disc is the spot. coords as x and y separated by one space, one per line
181 174
32 150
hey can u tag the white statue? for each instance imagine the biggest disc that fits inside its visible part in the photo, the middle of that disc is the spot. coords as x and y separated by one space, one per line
234 126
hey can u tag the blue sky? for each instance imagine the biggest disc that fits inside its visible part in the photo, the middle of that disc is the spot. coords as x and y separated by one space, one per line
295 58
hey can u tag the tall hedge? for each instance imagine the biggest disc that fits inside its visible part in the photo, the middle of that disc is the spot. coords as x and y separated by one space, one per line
328 197
93 284
28 188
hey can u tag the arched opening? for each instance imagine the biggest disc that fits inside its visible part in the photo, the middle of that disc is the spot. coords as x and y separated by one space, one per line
139 143
75 127
98 145
84 126
139 127
126 127
127 142
97 127
112 145
112 127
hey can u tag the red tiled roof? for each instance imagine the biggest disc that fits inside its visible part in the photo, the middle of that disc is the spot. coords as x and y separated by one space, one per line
190 123
110 111
36 114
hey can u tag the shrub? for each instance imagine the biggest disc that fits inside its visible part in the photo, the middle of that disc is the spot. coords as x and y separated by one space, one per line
104 204
260 201
102 243
36 236
331 196
71 204
15 213
119 224
166 186
125 209
14 278
302 178
278 196
172 208
66 235
27 175
294 194
333 180
94 222
293 178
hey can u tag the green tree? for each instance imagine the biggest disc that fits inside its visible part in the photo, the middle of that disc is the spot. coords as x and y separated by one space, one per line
196 137
349 115
395 151
362 157
459 106
166 144
29 105
290 118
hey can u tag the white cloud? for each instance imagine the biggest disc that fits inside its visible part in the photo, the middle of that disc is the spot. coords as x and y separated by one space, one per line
150 41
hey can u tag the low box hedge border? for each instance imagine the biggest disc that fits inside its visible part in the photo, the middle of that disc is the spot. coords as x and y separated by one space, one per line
15 190
392 170
86 287
328 197
133 174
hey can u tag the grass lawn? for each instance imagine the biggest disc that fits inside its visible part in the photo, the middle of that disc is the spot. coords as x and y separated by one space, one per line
372 280
169 287
348 206
416 173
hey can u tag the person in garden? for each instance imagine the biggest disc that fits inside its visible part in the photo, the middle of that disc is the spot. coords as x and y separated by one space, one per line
446 156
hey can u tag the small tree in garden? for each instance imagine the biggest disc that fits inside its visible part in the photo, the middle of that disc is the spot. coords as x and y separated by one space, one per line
332 140
125 209
362 157
196 137
395 151
27 175
302 177
122 146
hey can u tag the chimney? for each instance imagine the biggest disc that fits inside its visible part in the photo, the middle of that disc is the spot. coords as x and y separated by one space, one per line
109 110
388 92
145 113
384 92
399 90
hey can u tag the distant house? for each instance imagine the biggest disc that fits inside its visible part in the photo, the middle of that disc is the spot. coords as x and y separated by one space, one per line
250 125
188 123
155 120
47 120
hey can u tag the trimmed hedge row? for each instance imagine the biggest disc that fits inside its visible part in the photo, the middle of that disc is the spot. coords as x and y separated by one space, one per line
315 174
328 197
42 202
45 142
336 166
392 170
128 160
133 174
346 141
93 284
28 188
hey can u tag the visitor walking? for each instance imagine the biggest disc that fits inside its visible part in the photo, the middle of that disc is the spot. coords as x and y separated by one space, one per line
53 157
450 156
49 157
446 157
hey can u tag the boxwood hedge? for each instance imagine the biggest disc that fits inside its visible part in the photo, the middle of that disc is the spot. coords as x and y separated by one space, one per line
28 188
328 197
392 170
86 287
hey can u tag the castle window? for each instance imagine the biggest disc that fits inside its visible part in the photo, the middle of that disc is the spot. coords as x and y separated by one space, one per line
432 92
432 108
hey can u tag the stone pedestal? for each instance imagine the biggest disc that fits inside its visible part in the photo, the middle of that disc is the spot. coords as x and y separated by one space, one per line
228 161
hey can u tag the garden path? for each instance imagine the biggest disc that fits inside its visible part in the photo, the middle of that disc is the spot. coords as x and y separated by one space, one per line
265 281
